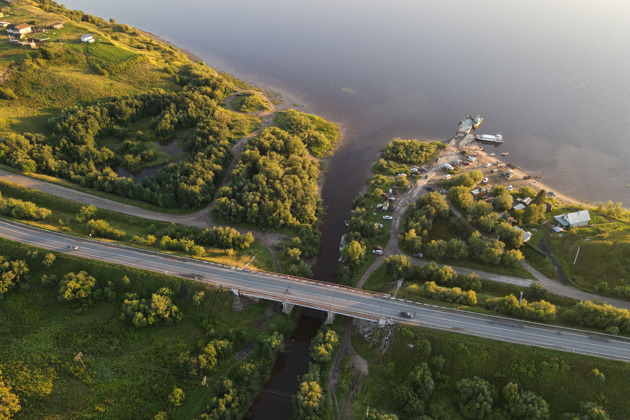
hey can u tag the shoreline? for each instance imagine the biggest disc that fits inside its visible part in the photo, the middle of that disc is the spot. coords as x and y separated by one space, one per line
453 152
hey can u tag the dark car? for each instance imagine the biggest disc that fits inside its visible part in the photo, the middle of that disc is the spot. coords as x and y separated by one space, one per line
406 315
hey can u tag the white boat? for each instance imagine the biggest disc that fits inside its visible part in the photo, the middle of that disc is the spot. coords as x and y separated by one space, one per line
497 138
477 122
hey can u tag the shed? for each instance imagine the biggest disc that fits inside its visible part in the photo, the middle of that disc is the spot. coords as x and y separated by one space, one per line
526 200
56 25
87 38
558 229
575 219
519 206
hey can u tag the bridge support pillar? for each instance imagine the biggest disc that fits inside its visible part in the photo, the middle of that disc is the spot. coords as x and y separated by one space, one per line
236 292
330 317
287 308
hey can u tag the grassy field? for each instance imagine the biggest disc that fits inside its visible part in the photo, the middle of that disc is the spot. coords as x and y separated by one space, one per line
63 220
564 380
261 103
129 372
604 254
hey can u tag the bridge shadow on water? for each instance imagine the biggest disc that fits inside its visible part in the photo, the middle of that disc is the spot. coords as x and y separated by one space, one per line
275 400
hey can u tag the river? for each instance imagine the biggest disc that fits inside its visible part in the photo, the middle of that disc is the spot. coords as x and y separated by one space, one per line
550 76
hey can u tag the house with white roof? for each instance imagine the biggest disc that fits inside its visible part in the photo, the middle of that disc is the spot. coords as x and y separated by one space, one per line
87 38
575 219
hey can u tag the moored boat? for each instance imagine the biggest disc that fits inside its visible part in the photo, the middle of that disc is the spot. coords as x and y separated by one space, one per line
477 122
489 138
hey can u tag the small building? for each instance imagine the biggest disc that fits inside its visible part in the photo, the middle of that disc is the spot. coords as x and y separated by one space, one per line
526 235
575 219
87 38
526 201
519 206
20 29
558 229
4 24
56 25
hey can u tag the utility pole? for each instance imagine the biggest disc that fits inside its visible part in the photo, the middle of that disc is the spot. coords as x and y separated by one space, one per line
77 358
367 412
576 255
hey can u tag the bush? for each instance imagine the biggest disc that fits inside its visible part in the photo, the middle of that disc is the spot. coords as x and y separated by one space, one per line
77 288
410 151
474 397
104 230
323 346
142 312
19 209
6 93
448 294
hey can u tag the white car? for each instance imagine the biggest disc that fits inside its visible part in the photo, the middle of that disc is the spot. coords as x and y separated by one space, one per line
484 180
377 251
510 188
492 154
487 165
447 176
388 217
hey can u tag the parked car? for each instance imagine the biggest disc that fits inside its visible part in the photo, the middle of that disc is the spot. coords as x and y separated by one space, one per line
466 163
447 176
377 251
430 188
510 188
492 154
378 247
418 255
388 217
487 165
392 198
484 180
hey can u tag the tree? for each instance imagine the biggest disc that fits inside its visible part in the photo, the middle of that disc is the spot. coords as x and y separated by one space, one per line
85 213
509 235
407 401
49 259
310 395
421 381
588 411
323 346
396 266
512 258
534 213
503 202
535 291
354 252
526 191
77 288
9 402
524 404
540 197
176 397
460 196
474 397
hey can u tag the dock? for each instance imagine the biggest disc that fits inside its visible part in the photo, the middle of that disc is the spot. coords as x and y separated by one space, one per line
465 125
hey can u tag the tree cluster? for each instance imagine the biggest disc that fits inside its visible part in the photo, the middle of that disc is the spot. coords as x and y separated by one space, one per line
411 151
18 209
411 396
533 311
77 289
591 314
318 135
12 272
273 185
323 346
143 312
448 294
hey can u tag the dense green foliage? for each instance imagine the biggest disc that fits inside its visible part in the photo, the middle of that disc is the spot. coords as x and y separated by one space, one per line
470 376
592 314
42 336
19 209
143 312
9 402
534 311
274 184
77 289
324 345
12 272
411 151
74 152
319 136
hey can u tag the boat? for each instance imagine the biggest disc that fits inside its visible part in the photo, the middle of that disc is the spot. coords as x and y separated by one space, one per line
465 125
477 122
489 138
343 242
505 153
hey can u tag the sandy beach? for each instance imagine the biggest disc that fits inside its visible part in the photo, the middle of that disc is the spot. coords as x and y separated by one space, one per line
494 167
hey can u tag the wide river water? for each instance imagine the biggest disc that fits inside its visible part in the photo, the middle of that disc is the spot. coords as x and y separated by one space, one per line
552 77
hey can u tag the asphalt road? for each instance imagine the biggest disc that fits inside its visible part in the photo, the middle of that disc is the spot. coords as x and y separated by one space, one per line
341 300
